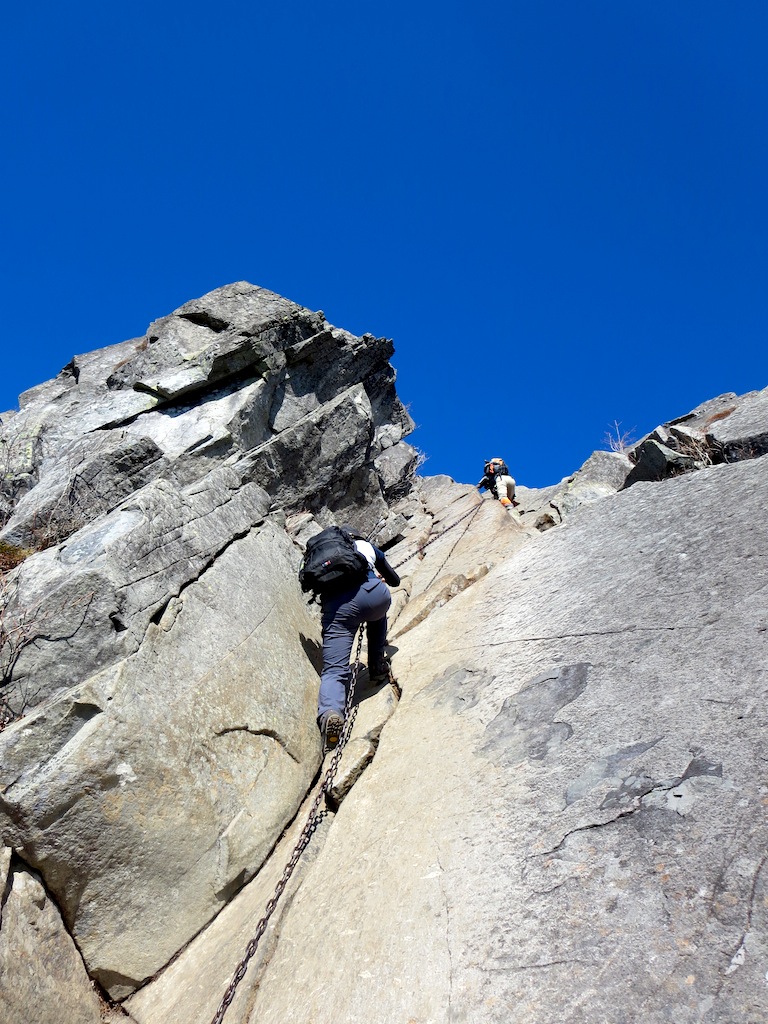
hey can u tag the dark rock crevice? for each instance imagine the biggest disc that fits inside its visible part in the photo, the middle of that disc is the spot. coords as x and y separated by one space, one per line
269 733
739 954
7 881
630 798
618 631
203 318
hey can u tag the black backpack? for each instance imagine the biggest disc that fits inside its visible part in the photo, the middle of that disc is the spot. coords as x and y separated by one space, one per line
332 563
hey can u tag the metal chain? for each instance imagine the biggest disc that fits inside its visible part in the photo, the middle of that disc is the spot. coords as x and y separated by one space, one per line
313 820
315 814
422 547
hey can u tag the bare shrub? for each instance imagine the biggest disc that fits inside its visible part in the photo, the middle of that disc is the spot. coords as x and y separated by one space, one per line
696 449
618 440
421 458
11 556
19 627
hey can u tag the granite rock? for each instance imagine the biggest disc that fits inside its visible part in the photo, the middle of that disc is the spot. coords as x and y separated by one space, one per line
42 977
152 791
563 819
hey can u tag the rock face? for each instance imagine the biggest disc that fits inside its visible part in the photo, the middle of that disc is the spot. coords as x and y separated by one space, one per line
561 819
149 793
564 821
42 978
159 643
602 474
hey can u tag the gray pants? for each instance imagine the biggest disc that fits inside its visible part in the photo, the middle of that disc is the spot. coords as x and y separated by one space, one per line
342 617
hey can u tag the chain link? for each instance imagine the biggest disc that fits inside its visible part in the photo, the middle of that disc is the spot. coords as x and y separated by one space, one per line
423 547
314 818
316 815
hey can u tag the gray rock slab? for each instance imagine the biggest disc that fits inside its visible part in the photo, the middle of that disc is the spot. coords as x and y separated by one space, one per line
42 977
94 367
190 989
320 461
389 530
395 466
744 431
375 706
565 816
320 368
200 435
708 412
460 537
240 306
44 436
57 418
168 665
239 369
602 474
88 603
150 793
48 391
89 477
231 331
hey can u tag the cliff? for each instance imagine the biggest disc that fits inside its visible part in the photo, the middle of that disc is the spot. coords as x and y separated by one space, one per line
562 818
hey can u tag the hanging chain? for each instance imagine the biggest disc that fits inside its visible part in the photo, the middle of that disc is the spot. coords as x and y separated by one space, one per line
314 818
316 815
423 547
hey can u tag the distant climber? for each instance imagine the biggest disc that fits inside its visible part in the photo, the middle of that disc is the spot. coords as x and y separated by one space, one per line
350 576
498 481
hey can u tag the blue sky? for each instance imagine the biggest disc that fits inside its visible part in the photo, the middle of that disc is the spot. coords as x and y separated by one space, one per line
557 210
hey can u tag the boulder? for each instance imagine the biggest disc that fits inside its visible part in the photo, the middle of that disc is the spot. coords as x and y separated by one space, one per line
42 977
656 461
395 467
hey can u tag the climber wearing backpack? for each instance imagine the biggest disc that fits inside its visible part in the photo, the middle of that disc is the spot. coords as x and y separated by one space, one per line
498 481
350 576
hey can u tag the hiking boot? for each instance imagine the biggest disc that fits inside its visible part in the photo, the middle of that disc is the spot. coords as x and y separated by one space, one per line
380 671
331 723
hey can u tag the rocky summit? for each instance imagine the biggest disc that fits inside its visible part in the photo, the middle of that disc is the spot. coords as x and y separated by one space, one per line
557 815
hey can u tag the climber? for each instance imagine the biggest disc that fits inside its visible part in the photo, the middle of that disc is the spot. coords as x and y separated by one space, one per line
498 481
355 596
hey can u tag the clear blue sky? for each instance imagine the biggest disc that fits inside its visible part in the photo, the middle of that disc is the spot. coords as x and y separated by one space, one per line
557 210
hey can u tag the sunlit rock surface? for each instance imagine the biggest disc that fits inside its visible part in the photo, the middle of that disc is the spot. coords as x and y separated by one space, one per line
562 818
